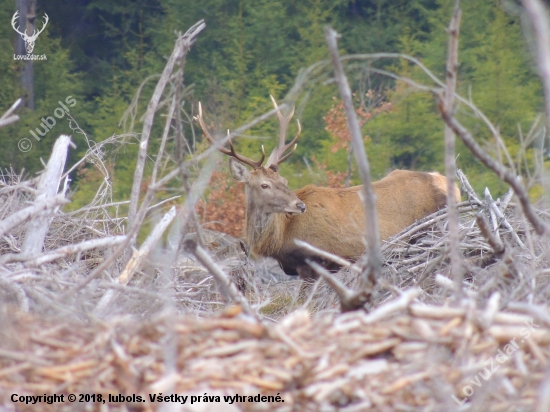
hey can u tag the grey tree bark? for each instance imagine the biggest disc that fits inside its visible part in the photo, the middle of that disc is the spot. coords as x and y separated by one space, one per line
27 18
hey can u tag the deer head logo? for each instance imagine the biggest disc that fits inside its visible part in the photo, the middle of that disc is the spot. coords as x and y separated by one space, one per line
29 40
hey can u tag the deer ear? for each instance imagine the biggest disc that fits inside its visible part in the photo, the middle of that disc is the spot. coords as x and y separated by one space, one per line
238 170
274 167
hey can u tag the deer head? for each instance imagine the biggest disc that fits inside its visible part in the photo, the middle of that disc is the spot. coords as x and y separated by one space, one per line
29 40
266 190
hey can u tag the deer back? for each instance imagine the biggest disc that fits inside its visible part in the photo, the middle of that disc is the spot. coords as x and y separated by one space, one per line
335 221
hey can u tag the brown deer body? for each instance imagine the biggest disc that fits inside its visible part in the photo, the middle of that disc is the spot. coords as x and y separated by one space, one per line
330 219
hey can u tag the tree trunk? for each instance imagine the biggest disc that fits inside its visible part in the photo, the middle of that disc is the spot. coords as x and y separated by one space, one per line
27 18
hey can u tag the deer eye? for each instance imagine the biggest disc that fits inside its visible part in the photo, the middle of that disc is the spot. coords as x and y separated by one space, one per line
264 186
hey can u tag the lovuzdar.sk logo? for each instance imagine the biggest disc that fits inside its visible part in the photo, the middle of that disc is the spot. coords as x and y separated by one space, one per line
29 40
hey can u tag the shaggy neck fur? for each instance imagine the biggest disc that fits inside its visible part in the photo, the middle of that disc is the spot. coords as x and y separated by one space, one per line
264 231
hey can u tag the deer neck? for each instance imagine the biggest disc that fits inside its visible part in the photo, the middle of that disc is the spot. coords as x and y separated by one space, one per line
264 231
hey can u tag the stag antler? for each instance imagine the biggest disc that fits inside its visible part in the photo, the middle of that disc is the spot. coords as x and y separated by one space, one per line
278 156
230 152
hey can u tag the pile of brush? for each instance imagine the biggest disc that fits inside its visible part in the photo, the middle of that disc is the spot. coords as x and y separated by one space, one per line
416 349
404 355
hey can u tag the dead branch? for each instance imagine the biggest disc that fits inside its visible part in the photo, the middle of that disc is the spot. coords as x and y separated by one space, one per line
47 187
514 181
502 221
138 257
492 308
182 46
492 238
424 223
167 124
330 256
62 252
374 263
8 117
349 300
23 215
393 306
543 398
467 187
450 161
227 288
538 312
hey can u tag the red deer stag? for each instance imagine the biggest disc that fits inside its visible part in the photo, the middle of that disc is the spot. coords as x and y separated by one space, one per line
330 219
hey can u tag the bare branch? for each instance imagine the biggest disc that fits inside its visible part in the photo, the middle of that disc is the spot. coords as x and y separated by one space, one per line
183 44
164 138
138 257
8 117
227 288
146 247
450 161
47 187
50 256
393 306
492 238
374 263
335 258
514 181
24 214
349 300
472 196
539 312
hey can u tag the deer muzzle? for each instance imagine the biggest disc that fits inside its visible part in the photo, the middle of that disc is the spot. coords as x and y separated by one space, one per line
296 208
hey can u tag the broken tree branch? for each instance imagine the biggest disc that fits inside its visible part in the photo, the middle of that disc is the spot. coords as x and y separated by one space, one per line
514 181
137 258
8 117
349 300
47 188
33 260
24 214
183 44
327 255
374 264
227 288
493 239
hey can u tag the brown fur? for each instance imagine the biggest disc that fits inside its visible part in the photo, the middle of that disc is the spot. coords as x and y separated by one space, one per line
334 218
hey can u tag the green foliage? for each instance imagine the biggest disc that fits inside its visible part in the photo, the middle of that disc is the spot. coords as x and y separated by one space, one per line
494 72
55 82
250 50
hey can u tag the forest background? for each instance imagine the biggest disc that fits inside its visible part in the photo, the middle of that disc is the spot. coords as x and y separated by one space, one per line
107 56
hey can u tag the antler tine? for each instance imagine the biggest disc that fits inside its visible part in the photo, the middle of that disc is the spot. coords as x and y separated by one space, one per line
291 144
200 119
230 152
256 164
278 156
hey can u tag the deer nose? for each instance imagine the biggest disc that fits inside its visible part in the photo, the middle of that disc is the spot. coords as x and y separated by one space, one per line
301 207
